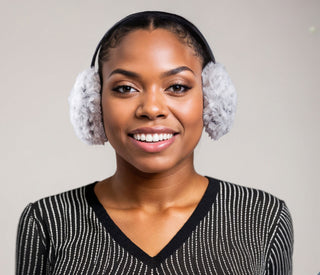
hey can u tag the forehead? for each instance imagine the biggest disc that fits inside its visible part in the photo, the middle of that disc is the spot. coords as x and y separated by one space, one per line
153 48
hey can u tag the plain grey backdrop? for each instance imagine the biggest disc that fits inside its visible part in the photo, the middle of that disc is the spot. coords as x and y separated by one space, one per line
271 50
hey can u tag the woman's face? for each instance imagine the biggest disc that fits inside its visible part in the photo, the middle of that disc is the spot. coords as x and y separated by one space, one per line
152 101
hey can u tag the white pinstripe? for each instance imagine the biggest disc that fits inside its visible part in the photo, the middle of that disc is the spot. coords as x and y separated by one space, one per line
246 232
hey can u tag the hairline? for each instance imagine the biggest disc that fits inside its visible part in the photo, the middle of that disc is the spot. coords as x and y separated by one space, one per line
151 27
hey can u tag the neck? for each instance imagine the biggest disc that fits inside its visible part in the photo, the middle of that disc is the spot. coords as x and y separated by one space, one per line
134 188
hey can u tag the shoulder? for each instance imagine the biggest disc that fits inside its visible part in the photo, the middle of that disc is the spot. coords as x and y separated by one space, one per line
59 206
251 196
68 198
253 205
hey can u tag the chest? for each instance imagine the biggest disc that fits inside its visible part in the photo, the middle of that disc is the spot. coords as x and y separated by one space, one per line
151 231
208 246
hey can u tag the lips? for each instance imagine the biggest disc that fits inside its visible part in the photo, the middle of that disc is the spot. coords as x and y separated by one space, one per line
152 140
152 137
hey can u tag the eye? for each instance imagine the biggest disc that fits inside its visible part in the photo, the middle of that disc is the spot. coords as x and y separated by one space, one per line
124 89
178 88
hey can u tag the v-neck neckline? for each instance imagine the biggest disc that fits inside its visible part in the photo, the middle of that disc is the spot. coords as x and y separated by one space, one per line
203 207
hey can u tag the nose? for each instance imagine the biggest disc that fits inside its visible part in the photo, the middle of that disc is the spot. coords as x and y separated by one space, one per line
152 105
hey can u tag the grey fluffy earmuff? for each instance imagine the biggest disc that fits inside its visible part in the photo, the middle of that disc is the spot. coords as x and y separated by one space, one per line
219 94
85 108
219 100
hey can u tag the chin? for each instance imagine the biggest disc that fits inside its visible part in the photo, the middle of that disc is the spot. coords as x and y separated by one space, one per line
153 167
154 163
158 165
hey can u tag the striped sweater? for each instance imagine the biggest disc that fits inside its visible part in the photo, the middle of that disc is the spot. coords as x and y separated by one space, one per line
233 230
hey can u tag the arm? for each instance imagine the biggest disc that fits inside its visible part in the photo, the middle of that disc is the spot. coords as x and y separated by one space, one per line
281 249
31 252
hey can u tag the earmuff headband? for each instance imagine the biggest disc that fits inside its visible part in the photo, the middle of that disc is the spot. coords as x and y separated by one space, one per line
190 28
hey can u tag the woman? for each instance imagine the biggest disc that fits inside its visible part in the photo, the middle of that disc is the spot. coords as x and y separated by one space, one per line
157 85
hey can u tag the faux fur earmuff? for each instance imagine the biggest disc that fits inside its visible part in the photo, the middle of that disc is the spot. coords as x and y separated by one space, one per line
219 100
219 104
85 108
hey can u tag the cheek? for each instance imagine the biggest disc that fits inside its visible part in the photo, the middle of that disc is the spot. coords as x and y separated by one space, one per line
115 118
191 114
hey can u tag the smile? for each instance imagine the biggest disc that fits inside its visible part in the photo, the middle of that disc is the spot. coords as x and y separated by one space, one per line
152 137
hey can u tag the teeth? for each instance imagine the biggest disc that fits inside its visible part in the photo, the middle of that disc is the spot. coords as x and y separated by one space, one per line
149 138
152 137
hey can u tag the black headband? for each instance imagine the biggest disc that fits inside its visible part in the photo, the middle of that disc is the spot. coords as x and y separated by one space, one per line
190 28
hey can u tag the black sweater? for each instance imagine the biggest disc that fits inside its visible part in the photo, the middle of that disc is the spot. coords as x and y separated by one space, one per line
234 230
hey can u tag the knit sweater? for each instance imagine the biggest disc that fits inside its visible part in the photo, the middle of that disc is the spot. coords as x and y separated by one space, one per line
233 230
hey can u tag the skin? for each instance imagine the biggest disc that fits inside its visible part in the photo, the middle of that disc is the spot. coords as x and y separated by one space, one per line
157 191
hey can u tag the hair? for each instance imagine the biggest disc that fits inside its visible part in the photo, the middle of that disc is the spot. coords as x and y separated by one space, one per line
185 31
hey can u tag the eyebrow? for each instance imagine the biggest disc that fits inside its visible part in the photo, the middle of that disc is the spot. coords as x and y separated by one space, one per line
176 71
165 74
124 72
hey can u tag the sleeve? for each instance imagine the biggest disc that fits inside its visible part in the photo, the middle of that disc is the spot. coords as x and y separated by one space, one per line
281 249
31 255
